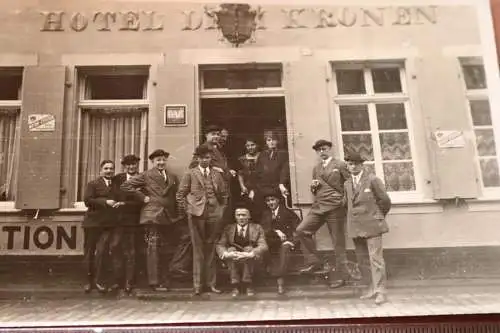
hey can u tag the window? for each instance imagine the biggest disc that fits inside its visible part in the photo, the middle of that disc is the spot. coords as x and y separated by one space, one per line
249 79
372 108
113 118
480 118
10 106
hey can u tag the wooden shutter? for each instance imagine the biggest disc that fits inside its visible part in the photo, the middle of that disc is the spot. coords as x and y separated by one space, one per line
39 165
444 107
308 119
176 84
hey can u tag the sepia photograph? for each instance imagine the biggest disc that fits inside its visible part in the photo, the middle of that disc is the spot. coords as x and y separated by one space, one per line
173 162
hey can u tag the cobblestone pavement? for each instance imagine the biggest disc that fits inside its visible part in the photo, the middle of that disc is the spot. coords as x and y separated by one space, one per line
305 303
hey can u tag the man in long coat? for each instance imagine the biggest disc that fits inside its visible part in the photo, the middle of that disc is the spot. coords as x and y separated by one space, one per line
367 206
156 188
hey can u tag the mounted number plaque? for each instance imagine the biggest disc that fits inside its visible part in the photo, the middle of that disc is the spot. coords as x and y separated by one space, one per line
175 115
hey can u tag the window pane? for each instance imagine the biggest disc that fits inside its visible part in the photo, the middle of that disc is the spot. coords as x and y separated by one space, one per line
107 136
242 78
362 143
391 116
117 87
10 86
485 142
474 76
481 115
395 146
8 154
399 176
350 81
354 118
489 172
386 80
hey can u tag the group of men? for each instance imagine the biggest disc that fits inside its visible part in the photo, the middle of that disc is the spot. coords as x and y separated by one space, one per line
342 193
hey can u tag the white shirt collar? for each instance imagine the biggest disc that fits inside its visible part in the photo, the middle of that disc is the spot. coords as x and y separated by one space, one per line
129 176
107 181
203 169
242 227
275 212
325 162
358 176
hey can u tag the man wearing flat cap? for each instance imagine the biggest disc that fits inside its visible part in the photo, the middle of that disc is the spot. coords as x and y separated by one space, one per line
122 244
203 196
327 188
156 189
367 206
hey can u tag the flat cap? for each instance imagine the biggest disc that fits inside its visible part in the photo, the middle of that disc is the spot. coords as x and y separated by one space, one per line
271 192
213 128
321 143
130 159
202 150
157 153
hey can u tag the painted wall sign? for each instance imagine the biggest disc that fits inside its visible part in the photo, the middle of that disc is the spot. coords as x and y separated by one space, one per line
450 139
192 20
39 238
175 115
41 123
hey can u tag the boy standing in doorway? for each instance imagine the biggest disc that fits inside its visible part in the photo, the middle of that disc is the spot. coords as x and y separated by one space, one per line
367 206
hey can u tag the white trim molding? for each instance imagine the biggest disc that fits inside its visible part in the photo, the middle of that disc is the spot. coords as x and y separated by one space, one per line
18 59
113 59
239 55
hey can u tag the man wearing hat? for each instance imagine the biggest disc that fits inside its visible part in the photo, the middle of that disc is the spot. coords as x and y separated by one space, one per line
156 189
279 224
203 196
367 206
241 245
122 244
327 187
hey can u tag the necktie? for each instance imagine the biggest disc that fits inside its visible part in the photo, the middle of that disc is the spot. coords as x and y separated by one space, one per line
164 175
108 182
242 232
205 173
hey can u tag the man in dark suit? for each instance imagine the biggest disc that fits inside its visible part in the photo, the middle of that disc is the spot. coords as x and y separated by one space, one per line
279 223
97 224
241 245
327 188
203 196
272 171
122 245
156 188
367 206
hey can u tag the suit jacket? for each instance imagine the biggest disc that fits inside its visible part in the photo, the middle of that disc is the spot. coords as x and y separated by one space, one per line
130 213
161 209
192 196
367 206
330 192
286 221
272 171
219 160
256 237
98 214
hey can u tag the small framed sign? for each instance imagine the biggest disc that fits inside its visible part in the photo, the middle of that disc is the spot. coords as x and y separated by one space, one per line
175 115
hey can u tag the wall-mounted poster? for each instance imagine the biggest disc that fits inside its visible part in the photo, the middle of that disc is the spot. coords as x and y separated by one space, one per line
175 115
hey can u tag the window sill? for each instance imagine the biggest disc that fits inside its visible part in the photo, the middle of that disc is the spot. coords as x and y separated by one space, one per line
415 206
8 207
484 204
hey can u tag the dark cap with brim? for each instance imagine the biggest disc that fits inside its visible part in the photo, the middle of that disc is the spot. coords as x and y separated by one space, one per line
202 149
321 143
158 153
354 157
130 159
213 128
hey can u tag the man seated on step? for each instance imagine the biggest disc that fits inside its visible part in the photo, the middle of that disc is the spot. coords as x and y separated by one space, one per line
241 246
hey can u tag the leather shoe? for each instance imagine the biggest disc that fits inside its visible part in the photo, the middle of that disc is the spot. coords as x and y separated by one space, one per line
250 292
235 292
337 284
88 288
113 288
215 290
281 289
197 291
368 295
100 288
380 299
310 269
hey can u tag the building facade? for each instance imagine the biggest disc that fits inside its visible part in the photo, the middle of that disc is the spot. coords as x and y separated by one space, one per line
411 85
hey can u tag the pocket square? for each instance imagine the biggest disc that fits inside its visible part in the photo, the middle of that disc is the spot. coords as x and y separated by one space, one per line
367 190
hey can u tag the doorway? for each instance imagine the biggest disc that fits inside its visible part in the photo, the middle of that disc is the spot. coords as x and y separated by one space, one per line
245 117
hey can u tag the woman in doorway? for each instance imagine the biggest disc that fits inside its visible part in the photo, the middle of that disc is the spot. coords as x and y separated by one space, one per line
272 171
246 168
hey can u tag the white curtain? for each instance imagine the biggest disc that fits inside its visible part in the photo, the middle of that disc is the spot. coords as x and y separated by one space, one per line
109 134
8 153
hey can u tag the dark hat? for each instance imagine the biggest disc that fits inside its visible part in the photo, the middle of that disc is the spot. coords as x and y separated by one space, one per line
130 159
270 134
213 128
241 205
202 150
271 192
354 157
321 143
157 153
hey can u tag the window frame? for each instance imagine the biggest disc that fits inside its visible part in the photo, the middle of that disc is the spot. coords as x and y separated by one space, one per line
370 99
83 103
478 95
